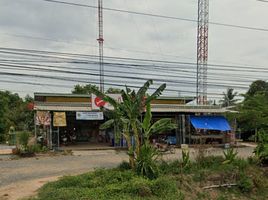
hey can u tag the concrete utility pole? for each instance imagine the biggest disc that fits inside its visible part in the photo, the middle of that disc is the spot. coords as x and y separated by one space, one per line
202 52
101 40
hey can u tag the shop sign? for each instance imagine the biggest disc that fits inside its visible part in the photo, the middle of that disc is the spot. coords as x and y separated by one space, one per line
42 118
89 116
59 119
98 103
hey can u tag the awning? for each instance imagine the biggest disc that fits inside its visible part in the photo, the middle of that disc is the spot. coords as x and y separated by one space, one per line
210 123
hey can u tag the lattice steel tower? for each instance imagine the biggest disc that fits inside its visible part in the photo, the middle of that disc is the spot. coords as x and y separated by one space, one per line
101 40
202 51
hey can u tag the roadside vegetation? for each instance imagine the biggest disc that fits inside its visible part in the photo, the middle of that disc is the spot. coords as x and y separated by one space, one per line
209 178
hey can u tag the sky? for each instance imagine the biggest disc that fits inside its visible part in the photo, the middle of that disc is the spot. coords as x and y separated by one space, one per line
236 57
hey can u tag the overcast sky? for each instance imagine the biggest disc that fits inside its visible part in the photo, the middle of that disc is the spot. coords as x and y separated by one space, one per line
41 25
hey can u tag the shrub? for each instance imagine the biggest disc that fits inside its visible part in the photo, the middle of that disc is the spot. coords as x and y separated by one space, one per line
185 158
124 166
245 184
209 162
140 186
229 155
35 148
242 164
23 139
166 187
261 151
253 160
146 162
170 168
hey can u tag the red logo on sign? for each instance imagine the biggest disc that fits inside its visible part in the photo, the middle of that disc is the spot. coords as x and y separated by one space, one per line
99 102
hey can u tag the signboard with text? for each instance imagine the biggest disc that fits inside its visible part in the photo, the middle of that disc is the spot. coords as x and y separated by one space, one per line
59 119
89 116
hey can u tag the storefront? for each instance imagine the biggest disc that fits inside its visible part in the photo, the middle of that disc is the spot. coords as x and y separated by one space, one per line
71 119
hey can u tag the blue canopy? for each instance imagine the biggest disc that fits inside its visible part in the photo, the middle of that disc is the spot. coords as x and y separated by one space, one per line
210 123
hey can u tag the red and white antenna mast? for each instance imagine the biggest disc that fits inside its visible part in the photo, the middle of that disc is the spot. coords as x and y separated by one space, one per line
101 40
202 51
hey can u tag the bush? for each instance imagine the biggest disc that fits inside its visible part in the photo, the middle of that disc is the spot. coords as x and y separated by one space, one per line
261 151
229 155
242 164
23 138
124 166
166 187
146 162
185 158
245 184
35 148
170 168
210 162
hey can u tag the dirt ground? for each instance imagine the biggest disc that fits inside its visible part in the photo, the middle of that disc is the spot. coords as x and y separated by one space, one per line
22 177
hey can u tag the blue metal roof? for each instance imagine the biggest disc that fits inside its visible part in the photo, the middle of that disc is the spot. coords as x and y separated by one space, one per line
210 123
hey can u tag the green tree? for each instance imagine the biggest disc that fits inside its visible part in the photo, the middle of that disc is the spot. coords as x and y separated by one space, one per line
113 91
257 87
254 109
83 89
229 98
14 112
87 89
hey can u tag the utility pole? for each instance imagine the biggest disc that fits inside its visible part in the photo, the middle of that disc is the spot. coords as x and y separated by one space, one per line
202 52
101 40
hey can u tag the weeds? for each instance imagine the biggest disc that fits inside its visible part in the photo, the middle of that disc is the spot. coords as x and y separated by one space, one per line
245 184
185 158
146 162
229 155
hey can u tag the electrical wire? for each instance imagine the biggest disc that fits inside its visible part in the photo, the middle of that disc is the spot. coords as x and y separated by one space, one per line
157 15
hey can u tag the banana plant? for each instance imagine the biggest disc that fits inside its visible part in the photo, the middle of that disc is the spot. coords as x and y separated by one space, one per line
160 126
126 114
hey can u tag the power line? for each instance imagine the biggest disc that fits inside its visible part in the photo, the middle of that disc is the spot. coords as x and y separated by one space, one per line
168 75
155 67
184 82
96 82
114 58
156 15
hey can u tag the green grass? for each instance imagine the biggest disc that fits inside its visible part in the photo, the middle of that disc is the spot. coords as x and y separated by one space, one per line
174 182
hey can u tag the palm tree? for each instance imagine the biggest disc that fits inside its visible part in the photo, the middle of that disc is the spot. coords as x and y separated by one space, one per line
228 98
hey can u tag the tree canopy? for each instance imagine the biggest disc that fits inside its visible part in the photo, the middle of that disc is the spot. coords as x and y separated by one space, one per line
14 112
229 98
87 89
254 109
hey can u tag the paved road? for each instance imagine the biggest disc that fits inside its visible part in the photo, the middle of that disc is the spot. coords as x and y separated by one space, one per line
12 171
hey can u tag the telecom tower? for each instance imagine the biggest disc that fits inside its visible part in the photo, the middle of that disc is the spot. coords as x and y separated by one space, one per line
100 40
202 52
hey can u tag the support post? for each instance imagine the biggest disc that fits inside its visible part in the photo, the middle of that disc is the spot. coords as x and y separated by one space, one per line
35 133
178 131
183 128
58 138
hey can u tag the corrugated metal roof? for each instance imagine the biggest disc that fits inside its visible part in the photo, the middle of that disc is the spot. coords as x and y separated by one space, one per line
75 106
61 95
89 95
187 108
62 106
